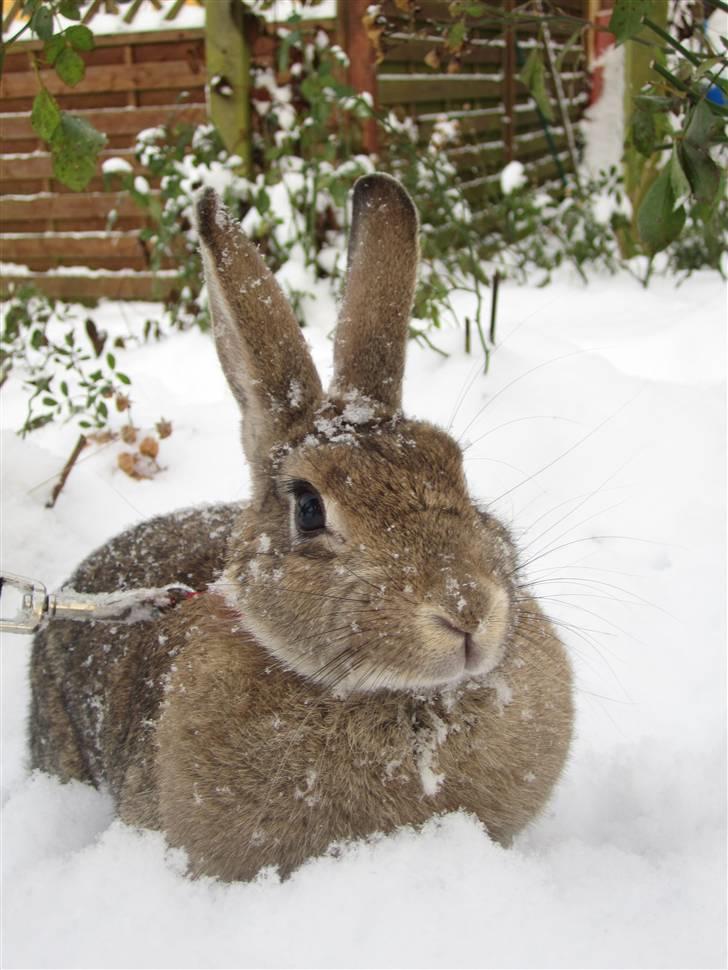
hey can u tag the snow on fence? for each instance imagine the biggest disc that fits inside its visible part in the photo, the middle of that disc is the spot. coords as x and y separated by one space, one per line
139 80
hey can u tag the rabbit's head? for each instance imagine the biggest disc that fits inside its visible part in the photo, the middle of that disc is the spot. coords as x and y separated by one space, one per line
362 562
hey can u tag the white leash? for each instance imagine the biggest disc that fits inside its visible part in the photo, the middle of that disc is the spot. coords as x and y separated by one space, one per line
38 607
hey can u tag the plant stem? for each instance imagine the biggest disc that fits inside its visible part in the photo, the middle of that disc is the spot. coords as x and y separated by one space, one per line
58 487
494 306
656 29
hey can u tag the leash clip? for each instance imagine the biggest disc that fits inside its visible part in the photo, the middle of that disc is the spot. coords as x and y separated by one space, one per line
33 607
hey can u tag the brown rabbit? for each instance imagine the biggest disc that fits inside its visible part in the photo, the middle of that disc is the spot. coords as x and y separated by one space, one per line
359 657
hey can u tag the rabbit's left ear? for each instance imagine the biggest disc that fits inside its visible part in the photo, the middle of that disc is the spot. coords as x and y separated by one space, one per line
371 335
258 340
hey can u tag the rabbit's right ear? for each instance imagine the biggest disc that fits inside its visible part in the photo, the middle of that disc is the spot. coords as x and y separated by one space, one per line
260 345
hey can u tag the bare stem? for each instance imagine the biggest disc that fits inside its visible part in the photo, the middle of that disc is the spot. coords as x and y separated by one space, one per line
58 487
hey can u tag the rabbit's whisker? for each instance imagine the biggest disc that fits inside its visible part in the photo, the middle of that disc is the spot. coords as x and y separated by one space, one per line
570 449
591 583
528 417
549 552
571 528
532 370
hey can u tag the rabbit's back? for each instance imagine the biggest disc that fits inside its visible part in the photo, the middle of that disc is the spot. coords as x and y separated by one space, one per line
96 685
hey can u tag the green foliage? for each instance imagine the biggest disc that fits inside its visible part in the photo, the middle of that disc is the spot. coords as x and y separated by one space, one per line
74 144
533 76
626 19
63 361
660 218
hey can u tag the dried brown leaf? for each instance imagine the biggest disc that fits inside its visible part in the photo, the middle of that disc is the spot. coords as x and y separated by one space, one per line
164 428
127 463
149 447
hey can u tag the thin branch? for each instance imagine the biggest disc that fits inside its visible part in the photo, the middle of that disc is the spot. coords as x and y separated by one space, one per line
58 487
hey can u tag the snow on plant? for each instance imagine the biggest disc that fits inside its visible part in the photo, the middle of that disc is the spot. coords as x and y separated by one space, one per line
65 362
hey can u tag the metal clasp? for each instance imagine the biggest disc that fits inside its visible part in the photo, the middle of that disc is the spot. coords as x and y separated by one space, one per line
33 606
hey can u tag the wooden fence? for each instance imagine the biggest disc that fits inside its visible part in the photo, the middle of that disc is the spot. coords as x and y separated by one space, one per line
132 82
136 81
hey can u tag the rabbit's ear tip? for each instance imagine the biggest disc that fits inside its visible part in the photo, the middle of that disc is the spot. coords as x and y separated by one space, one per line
209 210
380 189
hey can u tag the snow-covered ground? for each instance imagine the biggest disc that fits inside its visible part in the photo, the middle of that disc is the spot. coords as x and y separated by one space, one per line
600 434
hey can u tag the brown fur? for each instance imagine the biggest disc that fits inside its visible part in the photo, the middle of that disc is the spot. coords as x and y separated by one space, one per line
371 335
329 685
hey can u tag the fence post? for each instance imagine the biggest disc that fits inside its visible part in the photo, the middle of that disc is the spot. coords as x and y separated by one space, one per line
362 63
227 53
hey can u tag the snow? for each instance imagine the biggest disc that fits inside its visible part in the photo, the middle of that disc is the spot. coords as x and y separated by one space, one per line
603 122
512 177
116 166
613 399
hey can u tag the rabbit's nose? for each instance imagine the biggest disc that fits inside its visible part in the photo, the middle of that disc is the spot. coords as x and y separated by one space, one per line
462 626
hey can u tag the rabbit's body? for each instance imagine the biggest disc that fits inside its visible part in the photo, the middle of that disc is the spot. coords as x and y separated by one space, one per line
365 656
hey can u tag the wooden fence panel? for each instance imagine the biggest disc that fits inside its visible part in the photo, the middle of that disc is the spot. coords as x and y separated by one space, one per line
143 80
497 118
132 82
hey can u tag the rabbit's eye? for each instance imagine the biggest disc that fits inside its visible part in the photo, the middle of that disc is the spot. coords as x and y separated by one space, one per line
310 516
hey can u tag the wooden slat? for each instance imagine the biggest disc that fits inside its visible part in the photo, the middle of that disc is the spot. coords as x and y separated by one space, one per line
414 88
39 165
67 247
112 121
111 286
81 205
133 38
411 49
173 75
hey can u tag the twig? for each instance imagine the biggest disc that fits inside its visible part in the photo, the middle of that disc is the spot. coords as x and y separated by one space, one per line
494 306
57 488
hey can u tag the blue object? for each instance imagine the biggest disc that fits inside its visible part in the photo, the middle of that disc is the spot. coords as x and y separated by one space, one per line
716 95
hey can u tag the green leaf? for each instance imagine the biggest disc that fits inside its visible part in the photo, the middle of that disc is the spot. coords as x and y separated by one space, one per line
70 9
700 128
123 378
533 76
652 102
626 19
80 38
53 47
75 146
41 23
111 361
36 339
678 179
658 221
46 115
456 36
70 67
644 132
701 171
573 43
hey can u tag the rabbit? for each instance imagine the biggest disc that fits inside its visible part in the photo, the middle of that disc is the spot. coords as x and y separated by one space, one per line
359 656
